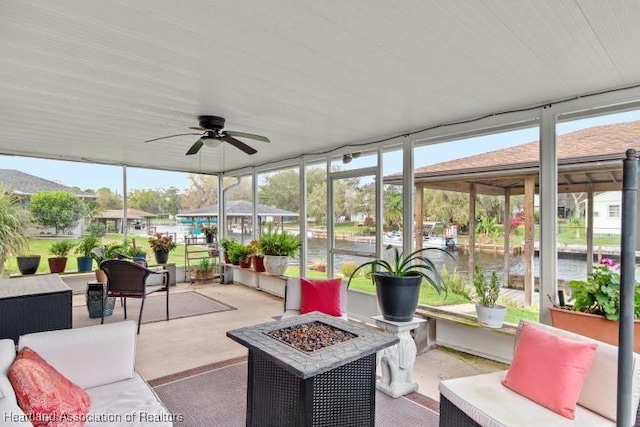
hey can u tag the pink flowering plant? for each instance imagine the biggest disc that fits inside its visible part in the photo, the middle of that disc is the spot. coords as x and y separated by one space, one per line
160 243
600 293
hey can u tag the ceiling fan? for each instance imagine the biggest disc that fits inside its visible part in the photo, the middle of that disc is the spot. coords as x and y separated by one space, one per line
213 134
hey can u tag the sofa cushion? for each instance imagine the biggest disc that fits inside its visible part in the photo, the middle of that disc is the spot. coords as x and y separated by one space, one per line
599 390
113 404
320 295
45 395
293 297
550 369
485 400
91 356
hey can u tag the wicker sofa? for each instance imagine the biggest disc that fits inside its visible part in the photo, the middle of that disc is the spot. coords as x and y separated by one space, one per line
483 400
100 359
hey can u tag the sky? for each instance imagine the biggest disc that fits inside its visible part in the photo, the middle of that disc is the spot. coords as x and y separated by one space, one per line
90 176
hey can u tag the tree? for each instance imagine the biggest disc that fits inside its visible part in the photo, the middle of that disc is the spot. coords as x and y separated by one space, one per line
58 209
392 198
14 220
107 199
203 191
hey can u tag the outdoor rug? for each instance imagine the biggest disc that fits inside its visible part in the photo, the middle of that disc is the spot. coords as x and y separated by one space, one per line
216 395
181 304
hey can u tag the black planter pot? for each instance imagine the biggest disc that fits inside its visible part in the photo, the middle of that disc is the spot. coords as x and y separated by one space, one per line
209 237
397 296
28 264
161 257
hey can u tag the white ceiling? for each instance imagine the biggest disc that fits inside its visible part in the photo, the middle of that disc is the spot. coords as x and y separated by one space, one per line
92 79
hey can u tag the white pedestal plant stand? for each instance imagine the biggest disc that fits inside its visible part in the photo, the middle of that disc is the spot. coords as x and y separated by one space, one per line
397 361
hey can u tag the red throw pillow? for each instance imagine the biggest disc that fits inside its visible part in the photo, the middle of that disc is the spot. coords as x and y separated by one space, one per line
550 369
321 295
46 396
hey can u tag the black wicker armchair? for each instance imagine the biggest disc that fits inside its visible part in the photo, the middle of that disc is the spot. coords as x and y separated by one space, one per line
128 280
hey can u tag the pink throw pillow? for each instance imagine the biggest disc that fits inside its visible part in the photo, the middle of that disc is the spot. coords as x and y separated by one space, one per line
46 396
549 369
321 295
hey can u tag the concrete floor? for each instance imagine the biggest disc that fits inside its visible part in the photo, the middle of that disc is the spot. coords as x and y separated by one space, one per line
165 348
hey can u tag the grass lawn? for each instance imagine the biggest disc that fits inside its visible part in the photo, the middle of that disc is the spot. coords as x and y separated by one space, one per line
427 294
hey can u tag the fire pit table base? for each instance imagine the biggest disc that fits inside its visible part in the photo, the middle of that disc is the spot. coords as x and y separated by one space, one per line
276 397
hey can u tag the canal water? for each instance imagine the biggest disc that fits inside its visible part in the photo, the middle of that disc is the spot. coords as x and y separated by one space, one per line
568 269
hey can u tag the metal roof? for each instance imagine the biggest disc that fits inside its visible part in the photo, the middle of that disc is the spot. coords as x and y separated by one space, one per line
92 80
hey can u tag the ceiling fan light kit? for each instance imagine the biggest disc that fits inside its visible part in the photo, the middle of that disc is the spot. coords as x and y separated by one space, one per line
213 136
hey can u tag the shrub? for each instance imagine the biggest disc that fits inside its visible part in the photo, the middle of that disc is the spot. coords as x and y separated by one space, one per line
347 268
454 283
61 248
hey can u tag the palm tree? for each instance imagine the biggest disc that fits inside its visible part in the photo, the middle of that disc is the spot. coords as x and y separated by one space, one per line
14 220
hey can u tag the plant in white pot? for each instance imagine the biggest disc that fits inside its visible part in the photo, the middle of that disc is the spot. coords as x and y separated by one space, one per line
489 313
398 282
277 247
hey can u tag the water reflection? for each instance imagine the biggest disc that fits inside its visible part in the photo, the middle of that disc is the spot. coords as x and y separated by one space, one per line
567 268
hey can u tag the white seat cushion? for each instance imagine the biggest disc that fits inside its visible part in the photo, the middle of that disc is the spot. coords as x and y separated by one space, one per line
127 402
489 403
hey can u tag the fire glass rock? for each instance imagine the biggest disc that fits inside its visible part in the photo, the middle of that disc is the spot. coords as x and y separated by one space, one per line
312 336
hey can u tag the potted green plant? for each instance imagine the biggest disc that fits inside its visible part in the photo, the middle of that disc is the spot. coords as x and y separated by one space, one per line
59 250
490 314
205 268
14 221
277 246
242 254
210 233
225 245
236 251
102 253
161 245
257 257
596 306
398 282
83 248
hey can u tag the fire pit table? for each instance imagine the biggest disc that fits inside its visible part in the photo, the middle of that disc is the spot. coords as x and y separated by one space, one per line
326 380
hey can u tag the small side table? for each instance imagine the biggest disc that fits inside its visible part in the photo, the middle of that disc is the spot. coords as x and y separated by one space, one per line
397 361
95 293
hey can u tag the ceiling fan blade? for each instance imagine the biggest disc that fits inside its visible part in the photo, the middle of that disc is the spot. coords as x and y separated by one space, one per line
240 145
195 147
171 136
247 135
200 128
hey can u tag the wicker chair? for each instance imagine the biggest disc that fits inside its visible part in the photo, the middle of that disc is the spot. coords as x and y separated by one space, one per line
128 280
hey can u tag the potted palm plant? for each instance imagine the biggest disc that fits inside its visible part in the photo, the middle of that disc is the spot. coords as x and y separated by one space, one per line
398 282
59 250
277 247
14 221
83 248
489 313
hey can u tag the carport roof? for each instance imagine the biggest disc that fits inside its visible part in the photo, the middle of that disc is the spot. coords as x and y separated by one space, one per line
589 157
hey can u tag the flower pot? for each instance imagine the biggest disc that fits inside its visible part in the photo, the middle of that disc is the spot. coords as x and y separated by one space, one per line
140 260
57 265
491 317
209 238
161 257
85 263
226 258
276 265
258 263
245 263
101 276
592 325
28 264
397 296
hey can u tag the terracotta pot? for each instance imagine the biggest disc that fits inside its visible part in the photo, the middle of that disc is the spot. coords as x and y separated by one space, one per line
258 263
592 326
245 263
57 265
101 276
